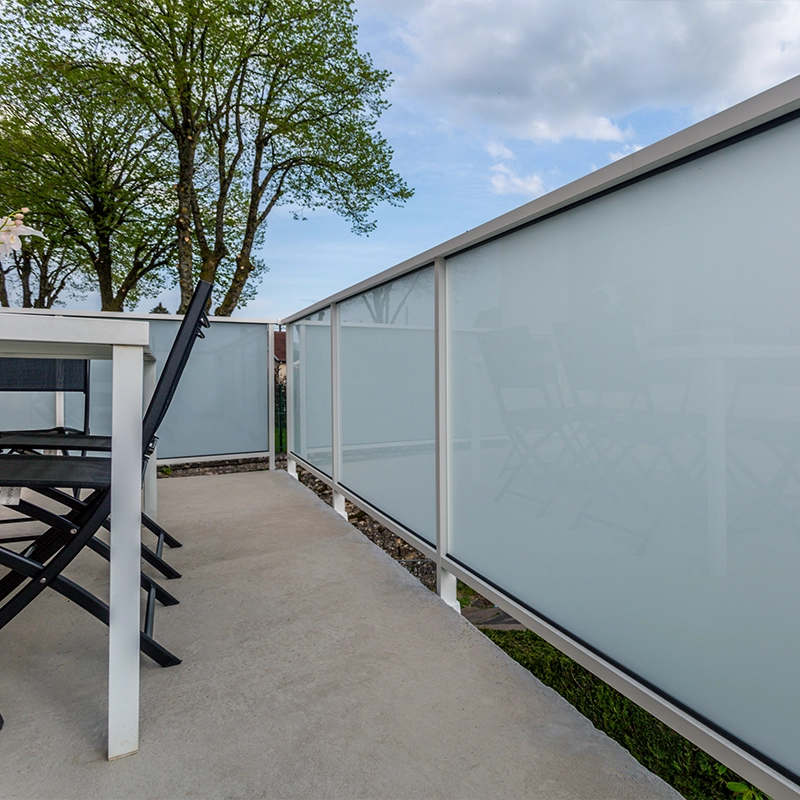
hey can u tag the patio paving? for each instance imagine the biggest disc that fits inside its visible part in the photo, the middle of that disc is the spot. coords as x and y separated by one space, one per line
314 666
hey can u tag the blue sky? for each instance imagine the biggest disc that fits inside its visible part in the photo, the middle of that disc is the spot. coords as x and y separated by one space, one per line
496 102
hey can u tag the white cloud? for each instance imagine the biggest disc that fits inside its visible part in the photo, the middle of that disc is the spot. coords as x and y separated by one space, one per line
555 69
625 150
498 151
505 181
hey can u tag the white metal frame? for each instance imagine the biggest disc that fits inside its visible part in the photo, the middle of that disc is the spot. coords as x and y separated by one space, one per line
336 416
446 580
770 107
133 315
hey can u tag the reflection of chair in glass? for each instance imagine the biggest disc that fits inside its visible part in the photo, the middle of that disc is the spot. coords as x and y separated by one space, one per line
765 482
524 379
626 441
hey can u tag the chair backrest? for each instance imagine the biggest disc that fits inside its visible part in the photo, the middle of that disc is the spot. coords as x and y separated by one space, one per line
191 328
43 375
47 375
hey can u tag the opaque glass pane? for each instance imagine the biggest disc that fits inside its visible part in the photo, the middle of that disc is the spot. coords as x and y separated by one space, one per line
311 389
625 429
386 354
220 406
27 410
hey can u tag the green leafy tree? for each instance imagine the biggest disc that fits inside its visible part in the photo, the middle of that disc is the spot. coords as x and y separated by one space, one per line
267 102
41 273
85 155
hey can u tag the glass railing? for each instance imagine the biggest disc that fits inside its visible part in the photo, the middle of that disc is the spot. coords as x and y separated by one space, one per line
309 343
614 376
221 407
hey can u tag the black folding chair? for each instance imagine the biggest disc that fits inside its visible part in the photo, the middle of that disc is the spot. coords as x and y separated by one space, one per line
37 375
64 375
41 564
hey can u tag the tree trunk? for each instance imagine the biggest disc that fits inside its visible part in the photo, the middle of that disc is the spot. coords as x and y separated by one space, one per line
243 269
45 280
183 225
103 269
3 289
25 279
208 269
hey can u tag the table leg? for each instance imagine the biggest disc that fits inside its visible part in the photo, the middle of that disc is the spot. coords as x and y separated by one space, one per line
126 509
717 468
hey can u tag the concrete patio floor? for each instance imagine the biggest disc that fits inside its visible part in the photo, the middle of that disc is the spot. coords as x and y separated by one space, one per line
313 667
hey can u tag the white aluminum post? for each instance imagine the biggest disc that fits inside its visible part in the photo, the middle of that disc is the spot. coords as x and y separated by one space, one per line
336 442
291 464
126 511
446 582
302 385
271 394
151 471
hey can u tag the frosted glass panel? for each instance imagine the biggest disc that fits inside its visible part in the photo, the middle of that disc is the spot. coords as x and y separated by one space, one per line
220 406
311 389
625 429
386 355
221 403
27 410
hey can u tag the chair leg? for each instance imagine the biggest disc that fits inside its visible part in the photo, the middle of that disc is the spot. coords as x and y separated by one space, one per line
99 609
150 613
67 527
43 548
36 585
162 595
27 568
153 526
155 560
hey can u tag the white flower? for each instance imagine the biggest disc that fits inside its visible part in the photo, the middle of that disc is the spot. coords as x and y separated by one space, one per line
10 231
